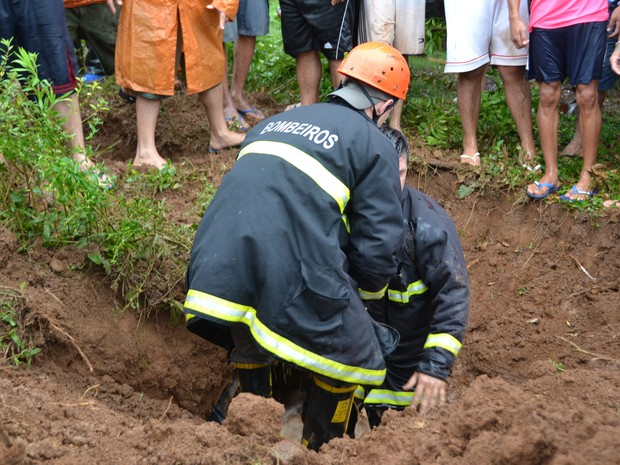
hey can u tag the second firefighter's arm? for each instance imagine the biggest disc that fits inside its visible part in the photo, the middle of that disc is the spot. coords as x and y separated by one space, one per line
375 218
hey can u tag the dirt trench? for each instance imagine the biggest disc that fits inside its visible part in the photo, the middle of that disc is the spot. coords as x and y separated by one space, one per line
537 381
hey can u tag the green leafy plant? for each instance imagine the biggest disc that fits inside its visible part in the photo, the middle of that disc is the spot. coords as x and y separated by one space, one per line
559 366
15 343
435 32
521 291
43 192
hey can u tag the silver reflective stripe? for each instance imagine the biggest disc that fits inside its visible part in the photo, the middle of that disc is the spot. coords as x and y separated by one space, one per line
445 341
367 295
415 288
200 303
305 163
387 397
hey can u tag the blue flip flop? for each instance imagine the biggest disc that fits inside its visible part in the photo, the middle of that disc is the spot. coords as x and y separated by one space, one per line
233 122
252 113
216 151
548 185
576 191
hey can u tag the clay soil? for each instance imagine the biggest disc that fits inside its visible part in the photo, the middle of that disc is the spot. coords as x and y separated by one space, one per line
537 381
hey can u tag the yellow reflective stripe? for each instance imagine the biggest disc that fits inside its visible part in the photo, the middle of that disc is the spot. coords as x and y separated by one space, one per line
417 287
306 164
445 341
248 366
388 397
201 303
367 295
360 392
329 388
189 316
345 219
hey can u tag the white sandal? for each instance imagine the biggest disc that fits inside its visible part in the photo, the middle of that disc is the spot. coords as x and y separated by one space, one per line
475 159
532 169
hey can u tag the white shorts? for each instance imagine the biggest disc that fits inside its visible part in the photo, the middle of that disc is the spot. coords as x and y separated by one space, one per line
399 23
479 33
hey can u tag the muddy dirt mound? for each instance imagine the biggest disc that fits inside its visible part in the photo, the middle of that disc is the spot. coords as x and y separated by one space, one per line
537 381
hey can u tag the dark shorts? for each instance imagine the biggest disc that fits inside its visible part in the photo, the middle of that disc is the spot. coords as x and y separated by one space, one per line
97 25
608 78
575 52
317 25
39 26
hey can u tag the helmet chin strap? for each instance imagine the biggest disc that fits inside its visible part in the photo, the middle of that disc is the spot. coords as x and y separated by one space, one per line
375 116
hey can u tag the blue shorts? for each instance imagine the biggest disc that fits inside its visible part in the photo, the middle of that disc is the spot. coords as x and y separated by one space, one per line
252 20
39 26
575 52
317 25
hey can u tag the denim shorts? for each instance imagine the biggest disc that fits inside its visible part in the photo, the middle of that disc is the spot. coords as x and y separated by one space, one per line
39 27
252 20
575 52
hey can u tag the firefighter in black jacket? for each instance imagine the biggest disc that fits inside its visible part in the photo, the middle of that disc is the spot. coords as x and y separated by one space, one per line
302 228
427 301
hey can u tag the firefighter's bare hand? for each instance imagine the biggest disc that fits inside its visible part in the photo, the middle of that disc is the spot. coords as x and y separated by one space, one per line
222 15
429 391
111 5
336 2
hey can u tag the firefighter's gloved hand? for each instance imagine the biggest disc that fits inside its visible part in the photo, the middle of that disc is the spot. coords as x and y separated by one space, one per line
429 391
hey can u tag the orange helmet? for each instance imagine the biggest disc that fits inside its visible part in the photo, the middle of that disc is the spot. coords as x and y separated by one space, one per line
378 65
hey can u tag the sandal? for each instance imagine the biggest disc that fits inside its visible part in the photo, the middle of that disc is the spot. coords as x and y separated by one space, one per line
236 123
293 106
474 159
252 113
576 191
550 190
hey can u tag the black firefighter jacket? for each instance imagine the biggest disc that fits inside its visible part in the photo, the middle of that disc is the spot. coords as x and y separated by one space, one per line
307 219
427 299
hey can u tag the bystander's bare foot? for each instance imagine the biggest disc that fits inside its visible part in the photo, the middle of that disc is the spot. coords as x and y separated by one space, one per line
611 204
573 149
149 158
248 111
234 119
225 140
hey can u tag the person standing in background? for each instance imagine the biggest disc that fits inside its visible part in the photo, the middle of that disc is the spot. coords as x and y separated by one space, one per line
479 34
399 23
151 38
566 39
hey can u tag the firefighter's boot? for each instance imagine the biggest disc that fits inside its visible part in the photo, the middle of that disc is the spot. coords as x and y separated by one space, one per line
326 411
254 378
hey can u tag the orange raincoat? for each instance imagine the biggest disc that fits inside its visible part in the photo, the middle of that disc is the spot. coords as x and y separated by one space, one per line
146 44
77 3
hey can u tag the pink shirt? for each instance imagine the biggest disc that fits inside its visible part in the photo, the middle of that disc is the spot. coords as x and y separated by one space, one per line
554 14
